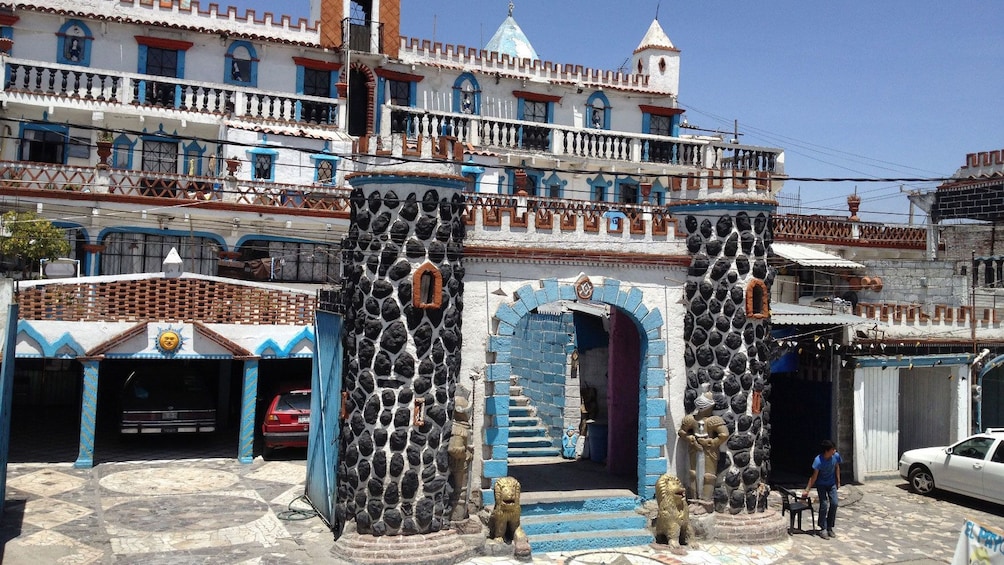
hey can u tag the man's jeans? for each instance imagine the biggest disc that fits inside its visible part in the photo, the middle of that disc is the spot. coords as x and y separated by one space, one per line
827 506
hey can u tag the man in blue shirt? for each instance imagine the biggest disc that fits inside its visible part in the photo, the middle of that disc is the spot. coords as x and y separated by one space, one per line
826 477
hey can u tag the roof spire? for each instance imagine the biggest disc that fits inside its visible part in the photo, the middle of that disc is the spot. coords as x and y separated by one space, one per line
657 4
511 6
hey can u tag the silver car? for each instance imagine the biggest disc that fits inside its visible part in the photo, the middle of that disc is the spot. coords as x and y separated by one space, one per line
973 467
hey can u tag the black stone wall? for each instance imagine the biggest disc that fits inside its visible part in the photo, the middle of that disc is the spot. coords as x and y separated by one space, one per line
393 475
727 351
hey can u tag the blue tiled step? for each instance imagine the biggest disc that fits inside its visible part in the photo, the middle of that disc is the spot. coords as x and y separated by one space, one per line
527 431
529 441
589 540
593 504
515 422
532 451
544 524
520 411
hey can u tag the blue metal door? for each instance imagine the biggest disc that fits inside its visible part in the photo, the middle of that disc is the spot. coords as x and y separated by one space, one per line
6 394
325 407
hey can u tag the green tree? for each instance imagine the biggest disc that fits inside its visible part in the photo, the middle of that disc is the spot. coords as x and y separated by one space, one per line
30 238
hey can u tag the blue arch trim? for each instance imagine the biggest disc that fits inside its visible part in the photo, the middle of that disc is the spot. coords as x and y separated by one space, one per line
68 53
598 188
234 76
123 142
653 438
271 349
598 102
154 231
50 350
466 82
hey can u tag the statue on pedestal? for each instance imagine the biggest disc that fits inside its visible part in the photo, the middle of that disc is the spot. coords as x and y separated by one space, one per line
704 433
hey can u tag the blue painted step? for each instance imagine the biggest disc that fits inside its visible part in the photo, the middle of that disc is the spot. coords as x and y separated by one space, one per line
597 504
533 452
591 523
527 431
543 441
522 421
520 411
540 525
601 539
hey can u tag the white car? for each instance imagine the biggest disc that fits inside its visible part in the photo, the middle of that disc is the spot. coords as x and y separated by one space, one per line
973 467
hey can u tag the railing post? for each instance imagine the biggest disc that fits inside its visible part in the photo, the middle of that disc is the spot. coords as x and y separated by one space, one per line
385 124
635 150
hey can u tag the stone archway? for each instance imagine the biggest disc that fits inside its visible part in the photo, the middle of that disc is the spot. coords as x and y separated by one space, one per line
652 404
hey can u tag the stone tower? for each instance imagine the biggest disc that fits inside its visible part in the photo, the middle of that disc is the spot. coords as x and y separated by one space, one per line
403 288
727 333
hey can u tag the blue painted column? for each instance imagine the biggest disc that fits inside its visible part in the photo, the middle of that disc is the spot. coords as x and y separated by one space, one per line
88 413
245 446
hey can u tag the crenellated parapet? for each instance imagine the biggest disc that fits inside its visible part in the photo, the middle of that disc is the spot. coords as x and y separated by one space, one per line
193 17
820 229
492 63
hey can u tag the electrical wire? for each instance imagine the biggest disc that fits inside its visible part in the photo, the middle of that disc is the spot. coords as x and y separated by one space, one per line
291 514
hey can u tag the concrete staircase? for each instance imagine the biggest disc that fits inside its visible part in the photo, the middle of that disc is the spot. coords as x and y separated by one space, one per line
592 522
528 436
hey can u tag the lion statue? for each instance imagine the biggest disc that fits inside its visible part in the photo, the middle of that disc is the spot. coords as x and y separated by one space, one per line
503 524
672 523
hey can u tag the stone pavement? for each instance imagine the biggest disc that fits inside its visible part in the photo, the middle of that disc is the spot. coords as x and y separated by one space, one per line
219 511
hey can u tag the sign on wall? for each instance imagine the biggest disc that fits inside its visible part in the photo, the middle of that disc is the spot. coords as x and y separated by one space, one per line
979 545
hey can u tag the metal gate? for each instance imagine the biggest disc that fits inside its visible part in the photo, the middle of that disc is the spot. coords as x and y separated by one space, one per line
325 406
6 396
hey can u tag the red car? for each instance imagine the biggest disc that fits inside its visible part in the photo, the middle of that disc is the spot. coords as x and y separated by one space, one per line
287 421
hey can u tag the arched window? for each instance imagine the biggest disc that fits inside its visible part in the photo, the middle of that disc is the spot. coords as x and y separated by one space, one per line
122 149
757 300
467 95
74 44
427 287
241 64
598 111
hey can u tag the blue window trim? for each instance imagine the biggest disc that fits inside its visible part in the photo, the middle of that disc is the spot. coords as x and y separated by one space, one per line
333 159
228 60
123 140
64 130
591 103
253 152
193 147
458 89
618 183
472 169
142 61
533 176
141 69
382 96
333 89
522 102
85 48
658 194
598 188
674 124
155 231
552 180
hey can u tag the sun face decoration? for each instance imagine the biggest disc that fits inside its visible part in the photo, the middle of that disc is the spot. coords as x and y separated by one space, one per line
169 341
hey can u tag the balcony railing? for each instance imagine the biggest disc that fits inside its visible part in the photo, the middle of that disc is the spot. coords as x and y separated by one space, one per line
62 178
568 141
91 86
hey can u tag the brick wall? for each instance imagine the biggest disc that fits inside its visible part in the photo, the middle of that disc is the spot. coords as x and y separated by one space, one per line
921 282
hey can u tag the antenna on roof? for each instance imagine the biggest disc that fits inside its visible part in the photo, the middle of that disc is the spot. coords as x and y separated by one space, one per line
657 4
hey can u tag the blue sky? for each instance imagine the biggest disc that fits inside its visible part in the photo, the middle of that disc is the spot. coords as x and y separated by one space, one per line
874 89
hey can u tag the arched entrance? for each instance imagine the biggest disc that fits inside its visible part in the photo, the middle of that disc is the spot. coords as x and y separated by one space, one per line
634 400
361 111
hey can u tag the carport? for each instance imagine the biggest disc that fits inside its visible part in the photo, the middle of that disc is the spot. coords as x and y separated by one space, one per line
99 330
